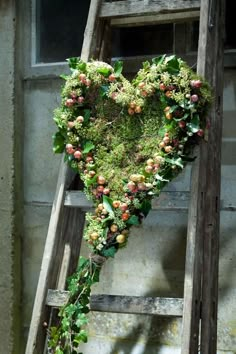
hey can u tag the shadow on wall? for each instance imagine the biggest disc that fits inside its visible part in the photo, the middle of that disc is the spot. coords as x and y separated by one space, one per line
155 335
148 337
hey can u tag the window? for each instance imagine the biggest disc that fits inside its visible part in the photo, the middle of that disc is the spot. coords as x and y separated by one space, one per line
60 26
143 40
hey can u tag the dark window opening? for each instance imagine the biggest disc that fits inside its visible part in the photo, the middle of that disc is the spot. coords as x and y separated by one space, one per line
230 37
60 29
143 40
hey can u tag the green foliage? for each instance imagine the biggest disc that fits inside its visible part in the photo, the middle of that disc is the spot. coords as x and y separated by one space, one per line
118 68
58 143
127 140
73 62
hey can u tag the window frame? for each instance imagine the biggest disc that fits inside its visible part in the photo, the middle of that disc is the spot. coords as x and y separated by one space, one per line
34 70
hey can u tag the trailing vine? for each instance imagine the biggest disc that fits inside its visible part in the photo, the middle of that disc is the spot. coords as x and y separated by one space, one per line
126 140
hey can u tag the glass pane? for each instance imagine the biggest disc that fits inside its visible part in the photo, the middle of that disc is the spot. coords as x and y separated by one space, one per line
230 38
60 29
144 40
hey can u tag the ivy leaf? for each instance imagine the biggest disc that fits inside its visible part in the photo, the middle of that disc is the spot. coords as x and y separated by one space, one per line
104 71
159 60
64 77
81 320
146 65
82 66
73 62
88 146
177 162
96 274
59 351
108 205
162 131
90 181
146 206
172 64
193 126
173 108
133 220
82 262
58 143
87 113
81 337
103 90
160 178
188 158
118 67
109 252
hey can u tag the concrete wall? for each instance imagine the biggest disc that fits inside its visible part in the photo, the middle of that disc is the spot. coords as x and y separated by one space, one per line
153 262
10 184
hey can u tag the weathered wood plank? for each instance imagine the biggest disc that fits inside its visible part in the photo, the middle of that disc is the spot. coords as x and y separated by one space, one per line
170 201
155 19
65 224
134 8
124 304
90 33
57 298
47 275
211 44
193 263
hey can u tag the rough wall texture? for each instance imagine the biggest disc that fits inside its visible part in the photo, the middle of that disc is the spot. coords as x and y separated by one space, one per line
9 187
152 264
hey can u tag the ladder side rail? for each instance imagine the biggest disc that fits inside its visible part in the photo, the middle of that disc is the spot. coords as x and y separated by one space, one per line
211 45
49 271
193 263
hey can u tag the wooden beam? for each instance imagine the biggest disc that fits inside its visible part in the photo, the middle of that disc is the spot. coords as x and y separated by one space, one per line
134 8
48 277
211 44
170 201
156 19
193 263
124 304
65 224
167 201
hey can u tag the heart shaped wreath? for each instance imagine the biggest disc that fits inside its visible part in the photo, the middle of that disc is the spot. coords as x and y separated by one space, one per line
126 140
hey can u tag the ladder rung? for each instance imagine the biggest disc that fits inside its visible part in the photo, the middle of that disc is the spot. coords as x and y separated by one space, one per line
170 201
167 201
156 19
160 306
134 8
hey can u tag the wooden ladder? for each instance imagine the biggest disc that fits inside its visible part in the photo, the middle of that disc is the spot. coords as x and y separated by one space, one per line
199 306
